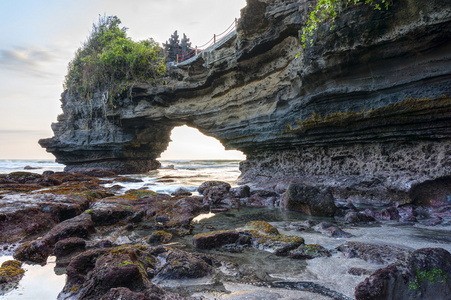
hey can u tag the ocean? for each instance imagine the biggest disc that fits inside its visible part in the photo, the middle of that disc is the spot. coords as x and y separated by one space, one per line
173 175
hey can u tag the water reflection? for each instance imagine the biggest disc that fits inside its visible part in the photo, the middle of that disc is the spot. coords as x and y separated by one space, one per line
38 283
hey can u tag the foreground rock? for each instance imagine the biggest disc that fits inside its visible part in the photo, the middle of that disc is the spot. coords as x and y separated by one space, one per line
32 204
258 234
426 274
128 271
11 272
38 251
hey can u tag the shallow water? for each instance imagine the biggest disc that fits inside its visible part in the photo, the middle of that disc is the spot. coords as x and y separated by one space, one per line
45 282
331 272
38 283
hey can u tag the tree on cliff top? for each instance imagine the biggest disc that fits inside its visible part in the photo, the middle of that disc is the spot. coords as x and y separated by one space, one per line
175 47
110 62
172 47
326 11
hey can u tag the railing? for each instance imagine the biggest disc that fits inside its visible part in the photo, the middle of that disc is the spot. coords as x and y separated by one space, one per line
215 39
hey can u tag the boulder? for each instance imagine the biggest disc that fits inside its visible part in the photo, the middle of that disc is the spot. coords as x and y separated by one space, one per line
331 230
159 237
11 272
81 226
242 191
376 254
68 246
183 265
312 200
358 218
309 252
122 271
203 188
215 239
425 274
266 237
390 213
36 252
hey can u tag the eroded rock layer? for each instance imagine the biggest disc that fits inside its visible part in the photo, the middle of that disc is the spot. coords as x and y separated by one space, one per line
365 110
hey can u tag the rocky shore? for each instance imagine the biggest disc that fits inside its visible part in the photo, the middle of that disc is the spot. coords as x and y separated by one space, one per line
138 244
345 192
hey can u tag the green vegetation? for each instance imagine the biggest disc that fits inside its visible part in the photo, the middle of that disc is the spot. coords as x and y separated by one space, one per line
326 11
433 275
111 63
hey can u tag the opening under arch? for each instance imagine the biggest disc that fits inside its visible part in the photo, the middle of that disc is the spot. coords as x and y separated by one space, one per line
190 143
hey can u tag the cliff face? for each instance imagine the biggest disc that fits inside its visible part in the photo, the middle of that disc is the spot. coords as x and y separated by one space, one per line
337 115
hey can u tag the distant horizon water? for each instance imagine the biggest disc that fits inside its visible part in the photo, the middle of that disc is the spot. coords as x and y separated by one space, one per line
174 175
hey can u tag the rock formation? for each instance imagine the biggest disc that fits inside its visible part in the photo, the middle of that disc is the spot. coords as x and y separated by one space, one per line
365 111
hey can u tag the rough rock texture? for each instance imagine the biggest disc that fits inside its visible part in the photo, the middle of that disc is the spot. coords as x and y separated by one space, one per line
95 273
426 274
311 200
377 254
365 140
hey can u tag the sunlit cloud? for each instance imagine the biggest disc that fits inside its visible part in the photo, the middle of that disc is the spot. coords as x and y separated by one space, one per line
25 57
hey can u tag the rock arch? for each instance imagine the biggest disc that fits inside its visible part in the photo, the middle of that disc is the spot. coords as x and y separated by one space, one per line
361 111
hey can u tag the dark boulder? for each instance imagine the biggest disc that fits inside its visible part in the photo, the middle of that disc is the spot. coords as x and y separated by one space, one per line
240 192
183 265
377 254
215 239
204 187
36 252
432 192
331 230
390 213
425 274
159 237
81 226
358 218
69 246
96 273
312 200
309 252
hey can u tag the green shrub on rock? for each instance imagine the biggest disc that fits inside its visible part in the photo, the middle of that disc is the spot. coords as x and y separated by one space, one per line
110 62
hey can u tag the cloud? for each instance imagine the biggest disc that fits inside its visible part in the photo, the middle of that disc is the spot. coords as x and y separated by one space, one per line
32 59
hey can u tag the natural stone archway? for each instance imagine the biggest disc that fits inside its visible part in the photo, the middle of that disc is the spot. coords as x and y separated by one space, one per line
350 113
188 143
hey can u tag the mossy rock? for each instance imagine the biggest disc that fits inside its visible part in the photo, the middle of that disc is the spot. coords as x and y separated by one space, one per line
11 271
11 268
159 237
262 227
215 239
309 252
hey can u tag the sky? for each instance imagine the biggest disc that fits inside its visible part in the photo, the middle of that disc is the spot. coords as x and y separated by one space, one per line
39 38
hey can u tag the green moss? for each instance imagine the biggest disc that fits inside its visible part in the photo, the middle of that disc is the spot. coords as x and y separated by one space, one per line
125 263
262 226
434 275
11 269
